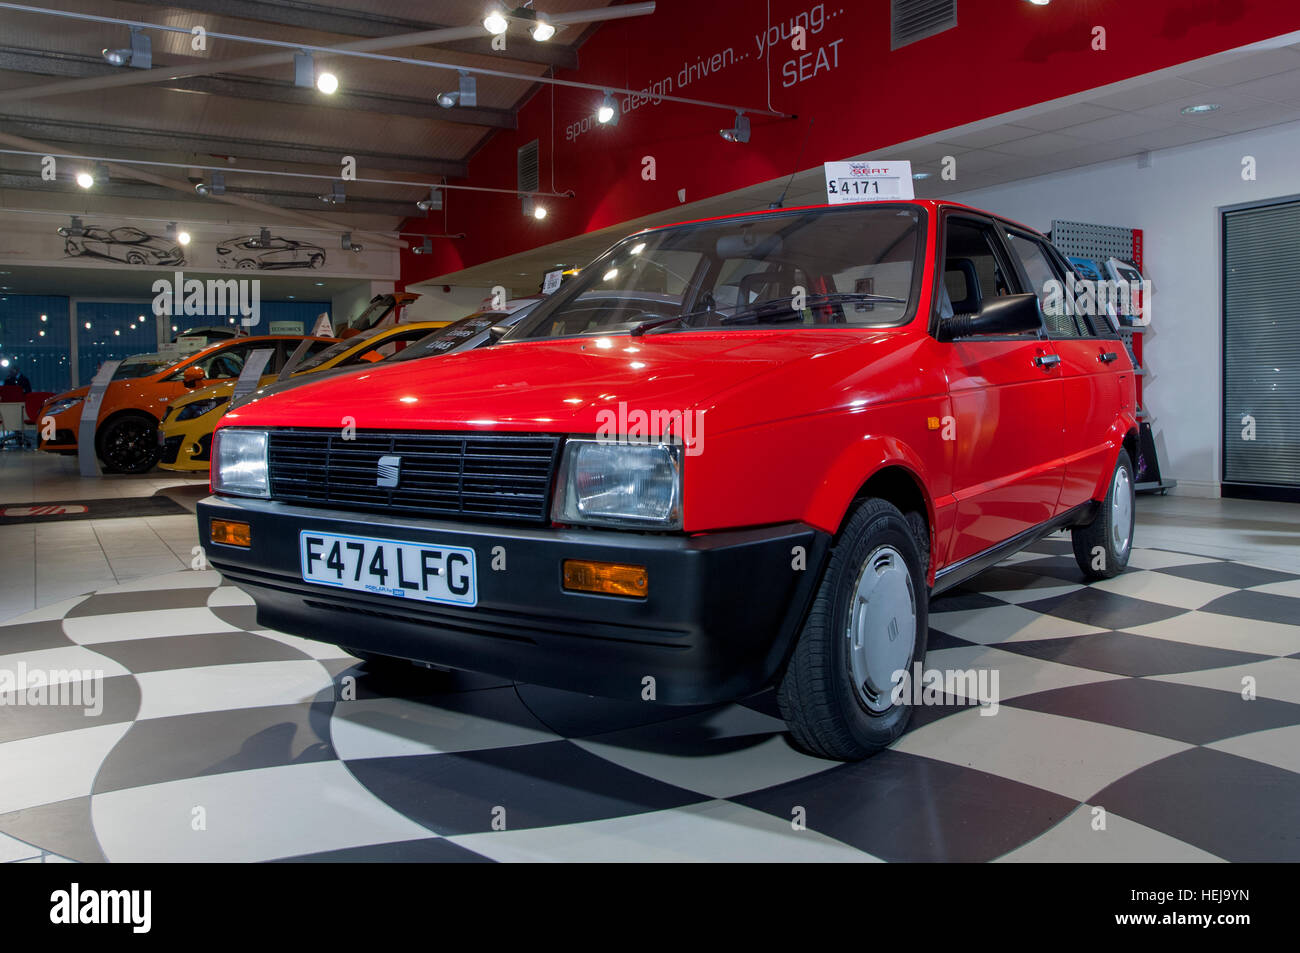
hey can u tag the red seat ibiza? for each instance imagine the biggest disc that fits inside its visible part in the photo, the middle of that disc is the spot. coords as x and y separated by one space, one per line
728 455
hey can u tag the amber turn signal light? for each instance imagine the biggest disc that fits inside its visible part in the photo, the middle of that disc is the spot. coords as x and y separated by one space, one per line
231 533
607 579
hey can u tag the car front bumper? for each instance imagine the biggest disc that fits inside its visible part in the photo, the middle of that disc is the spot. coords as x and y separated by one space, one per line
718 621
187 445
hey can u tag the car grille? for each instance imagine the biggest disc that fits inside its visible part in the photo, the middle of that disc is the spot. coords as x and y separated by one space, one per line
460 475
171 449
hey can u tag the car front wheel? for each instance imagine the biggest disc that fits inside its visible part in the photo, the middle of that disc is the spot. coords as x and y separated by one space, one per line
128 444
867 627
1102 547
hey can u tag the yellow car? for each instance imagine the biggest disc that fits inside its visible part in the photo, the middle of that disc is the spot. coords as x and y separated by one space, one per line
185 434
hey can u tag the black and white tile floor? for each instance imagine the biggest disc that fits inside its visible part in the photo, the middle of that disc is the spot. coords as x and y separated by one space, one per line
218 740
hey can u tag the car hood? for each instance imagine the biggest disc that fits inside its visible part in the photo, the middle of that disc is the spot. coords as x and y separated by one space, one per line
203 393
558 386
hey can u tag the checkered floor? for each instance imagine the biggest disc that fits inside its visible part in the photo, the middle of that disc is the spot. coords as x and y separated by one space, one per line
1154 717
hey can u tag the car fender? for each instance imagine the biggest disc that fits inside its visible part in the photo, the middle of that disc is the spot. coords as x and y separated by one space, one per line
854 468
1125 424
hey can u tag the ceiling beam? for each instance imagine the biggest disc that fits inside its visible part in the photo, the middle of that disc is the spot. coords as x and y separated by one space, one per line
85 134
32 183
43 63
328 19
379 45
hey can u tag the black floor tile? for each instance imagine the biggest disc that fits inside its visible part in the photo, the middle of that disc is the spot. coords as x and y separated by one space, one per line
1121 653
1235 808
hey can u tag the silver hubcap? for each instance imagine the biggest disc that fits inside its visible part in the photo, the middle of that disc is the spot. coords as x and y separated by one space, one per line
882 626
1121 511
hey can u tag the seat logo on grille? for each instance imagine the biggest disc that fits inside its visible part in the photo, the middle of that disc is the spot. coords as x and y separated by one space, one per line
390 471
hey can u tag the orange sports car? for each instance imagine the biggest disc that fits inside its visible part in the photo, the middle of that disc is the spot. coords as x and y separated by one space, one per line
126 435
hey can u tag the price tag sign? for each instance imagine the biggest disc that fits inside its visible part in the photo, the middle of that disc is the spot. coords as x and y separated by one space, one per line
254 365
551 283
87 456
848 182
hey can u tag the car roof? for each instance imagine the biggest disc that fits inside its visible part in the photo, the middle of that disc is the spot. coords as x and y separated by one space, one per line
930 205
228 342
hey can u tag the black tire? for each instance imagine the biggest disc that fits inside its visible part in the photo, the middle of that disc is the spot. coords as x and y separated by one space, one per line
246 263
128 444
826 714
1100 551
135 258
317 261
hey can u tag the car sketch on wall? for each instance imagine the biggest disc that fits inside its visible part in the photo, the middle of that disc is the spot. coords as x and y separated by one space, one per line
126 243
251 251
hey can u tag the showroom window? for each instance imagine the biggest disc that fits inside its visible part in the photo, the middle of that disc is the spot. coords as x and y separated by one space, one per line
112 330
289 317
34 338
1261 362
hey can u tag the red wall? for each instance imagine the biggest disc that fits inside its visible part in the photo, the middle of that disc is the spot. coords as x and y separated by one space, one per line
1004 55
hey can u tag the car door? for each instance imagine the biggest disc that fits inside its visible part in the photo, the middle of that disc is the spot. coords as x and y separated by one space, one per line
1090 372
1007 401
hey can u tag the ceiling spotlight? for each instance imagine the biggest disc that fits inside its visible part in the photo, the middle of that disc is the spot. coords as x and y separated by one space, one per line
74 229
608 111
542 29
739 132
425 248
432 203
85 179
1200 110
327 83
495 22
348 244
216 187
181 236
139 54
447 100
1040 3
534 208
336 195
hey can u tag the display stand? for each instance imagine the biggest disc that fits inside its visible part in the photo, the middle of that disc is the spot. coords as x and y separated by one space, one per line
87 455
1094 245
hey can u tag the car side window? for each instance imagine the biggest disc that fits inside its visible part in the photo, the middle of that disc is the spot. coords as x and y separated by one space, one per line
1041 272
973 269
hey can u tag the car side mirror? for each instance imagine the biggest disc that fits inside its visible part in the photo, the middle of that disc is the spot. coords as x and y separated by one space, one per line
193 377
1009 314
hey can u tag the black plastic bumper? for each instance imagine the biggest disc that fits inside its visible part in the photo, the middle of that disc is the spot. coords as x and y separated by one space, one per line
718 621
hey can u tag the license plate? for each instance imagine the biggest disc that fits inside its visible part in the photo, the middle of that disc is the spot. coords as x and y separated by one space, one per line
427 572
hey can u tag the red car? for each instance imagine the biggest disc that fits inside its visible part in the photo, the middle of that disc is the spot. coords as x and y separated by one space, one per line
728 455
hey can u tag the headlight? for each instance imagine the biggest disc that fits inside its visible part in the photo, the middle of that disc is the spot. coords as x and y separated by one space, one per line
200 407
620 484
239 463
59 406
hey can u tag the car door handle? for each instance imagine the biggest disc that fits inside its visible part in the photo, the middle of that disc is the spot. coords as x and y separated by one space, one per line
1107 356
1047 361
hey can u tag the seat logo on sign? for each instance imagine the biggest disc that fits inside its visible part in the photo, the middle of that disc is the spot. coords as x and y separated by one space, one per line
390 471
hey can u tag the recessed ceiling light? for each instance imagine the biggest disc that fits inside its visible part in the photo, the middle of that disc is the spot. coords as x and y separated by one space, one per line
920 175
1200 109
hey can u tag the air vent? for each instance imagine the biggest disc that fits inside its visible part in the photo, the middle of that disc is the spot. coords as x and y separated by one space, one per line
912 20
528 176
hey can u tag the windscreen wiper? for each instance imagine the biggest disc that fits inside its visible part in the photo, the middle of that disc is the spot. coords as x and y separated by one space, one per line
788 313
644 326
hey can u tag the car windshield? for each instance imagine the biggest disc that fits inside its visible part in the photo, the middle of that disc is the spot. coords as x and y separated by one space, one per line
374 312
141 367
469 332
334 350
853 266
